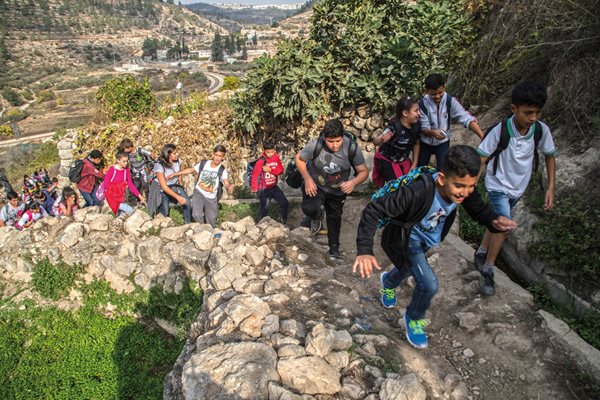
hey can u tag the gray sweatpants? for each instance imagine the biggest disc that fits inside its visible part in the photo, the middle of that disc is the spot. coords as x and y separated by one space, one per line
204 210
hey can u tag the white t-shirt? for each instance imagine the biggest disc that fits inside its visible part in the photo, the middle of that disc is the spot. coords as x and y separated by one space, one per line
515 163
175 167
208 179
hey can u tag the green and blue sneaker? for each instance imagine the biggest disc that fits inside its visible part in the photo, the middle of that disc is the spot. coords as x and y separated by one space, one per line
415 332
388 296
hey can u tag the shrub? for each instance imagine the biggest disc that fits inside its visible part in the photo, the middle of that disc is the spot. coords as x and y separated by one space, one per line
54 281
231 83
12 97
14 115
124 98
6 131
45 95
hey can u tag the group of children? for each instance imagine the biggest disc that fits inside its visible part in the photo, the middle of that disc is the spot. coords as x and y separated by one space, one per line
416 205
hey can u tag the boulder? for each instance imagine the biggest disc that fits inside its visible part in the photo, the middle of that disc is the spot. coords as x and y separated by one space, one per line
406 388
233 370
174 233
98 222
82 214
320 341
309 375
134 223
72 233
293 328
203 240
149 250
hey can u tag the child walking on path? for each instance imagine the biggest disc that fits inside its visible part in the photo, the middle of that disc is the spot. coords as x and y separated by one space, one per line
421 214
171 186
264 182
437 109
212 177
327 181
511 150
396 142
90 173
116 181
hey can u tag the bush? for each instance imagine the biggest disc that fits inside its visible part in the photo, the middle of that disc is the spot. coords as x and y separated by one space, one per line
14 115
6 131
54 281
357 51
12 97
231 83
124 98
45 95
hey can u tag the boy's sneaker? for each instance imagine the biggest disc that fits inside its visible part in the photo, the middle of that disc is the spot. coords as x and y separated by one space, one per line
415 332
479 260
487 286
334 254
305 222
315 225
388 296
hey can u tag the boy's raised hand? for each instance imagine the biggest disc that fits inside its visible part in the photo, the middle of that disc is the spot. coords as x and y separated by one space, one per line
310 187
365 265
504 224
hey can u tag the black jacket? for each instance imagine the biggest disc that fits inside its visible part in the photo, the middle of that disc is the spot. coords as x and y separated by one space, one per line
409 205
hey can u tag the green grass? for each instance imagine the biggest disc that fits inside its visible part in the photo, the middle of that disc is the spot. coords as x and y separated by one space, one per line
48 353
240 211
29 158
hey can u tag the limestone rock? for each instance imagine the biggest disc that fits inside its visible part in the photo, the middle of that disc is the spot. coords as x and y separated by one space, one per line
406 388
468 320
240 370
254 256
339 359
117 282
510 341
342 340
72 233
291 350
82 214
310 375
242 308
276 392
270 326
174 233
134 223
203 240
98 222
291 327
320 341
149 250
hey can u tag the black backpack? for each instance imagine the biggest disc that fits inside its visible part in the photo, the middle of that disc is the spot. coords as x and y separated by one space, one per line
505 138
75 171
293 177
220 175
448 106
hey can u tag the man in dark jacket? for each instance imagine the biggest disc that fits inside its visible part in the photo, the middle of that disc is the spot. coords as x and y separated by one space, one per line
421 215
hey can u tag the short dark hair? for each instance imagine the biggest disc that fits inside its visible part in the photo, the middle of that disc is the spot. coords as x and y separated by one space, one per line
434 81
220 148
121 154
125 143
333 129
269 145
12 195
528 93
95 154
461 160
68 192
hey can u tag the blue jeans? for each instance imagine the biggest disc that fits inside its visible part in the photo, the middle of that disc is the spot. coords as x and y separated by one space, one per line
427 150
276 194
126 208
501 203
426 283
90 198
187 208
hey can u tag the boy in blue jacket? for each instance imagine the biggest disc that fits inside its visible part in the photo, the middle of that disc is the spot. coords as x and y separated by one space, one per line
421 214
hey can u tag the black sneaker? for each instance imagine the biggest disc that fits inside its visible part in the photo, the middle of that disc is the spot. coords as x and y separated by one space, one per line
479 260
316 224
305 222
334 254
487 286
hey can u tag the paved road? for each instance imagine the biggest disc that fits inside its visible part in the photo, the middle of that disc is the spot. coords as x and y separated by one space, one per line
26 139
216 81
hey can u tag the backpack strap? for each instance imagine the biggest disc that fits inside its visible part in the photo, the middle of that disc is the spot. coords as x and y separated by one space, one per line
422 106
502 143
220 172
449 107
202 164
537 137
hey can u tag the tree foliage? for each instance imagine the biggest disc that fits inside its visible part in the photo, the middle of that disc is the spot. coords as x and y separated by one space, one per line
216 47
372 51
124 98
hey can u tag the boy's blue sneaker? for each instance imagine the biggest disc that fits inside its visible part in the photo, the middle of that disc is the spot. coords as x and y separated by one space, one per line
415 332
388 296
479 260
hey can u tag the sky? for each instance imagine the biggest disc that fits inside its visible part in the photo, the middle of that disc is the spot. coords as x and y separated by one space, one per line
254 2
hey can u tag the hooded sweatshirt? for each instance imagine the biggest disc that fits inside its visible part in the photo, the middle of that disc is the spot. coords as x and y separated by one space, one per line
268 180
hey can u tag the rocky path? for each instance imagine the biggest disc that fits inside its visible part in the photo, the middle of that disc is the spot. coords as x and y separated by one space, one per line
479 348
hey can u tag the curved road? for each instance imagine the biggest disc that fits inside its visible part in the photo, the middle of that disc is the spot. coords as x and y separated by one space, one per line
216 81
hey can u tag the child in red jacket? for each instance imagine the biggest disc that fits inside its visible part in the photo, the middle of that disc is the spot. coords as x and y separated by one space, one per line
264 182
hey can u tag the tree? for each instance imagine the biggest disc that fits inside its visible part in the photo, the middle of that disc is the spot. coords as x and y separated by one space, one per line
254 40
123 98
227 44
217 48
231 46
244 55
149 47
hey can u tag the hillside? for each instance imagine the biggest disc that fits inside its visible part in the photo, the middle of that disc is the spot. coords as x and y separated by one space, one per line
54 36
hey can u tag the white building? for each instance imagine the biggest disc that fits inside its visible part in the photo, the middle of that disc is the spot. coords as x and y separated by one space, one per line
161 54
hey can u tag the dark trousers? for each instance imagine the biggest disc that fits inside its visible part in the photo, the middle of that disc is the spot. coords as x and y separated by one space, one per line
266 196
142 187
439 151
90 198
385 169
187 208
334 208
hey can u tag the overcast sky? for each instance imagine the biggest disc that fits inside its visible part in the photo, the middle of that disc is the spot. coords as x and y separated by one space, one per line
245 1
